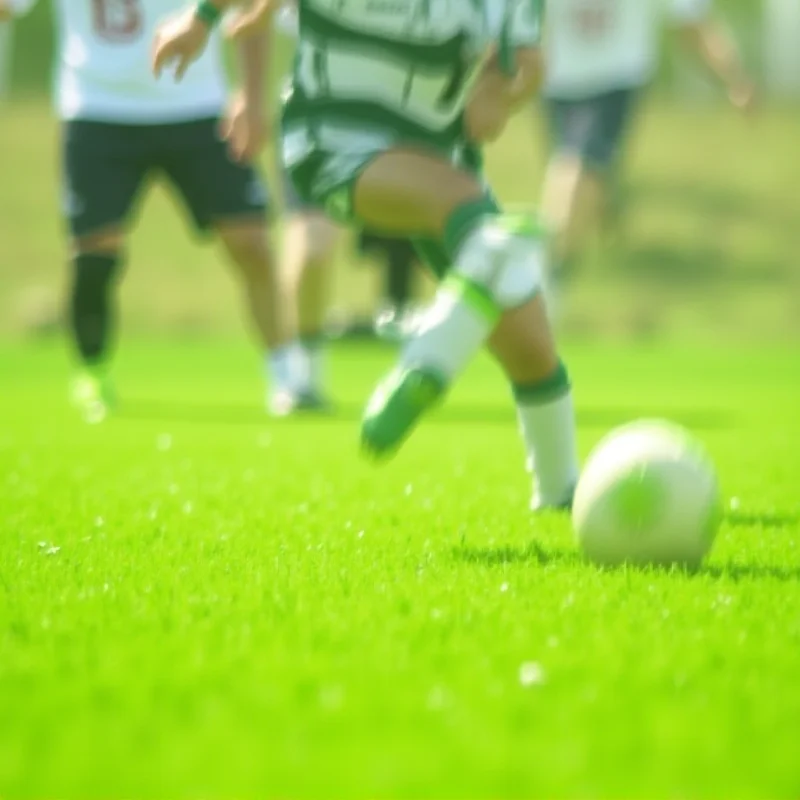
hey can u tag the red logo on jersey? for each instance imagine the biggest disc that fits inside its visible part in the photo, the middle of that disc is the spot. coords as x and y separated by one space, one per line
117 20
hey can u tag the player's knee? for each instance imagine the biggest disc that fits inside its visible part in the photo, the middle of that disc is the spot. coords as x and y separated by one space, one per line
248 248
505 261
316 237
322 238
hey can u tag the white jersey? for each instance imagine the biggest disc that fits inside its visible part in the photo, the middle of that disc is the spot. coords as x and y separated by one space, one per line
598 45
103 71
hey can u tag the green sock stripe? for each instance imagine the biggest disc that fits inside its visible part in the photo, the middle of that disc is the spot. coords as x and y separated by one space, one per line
473 295
545 391
464 220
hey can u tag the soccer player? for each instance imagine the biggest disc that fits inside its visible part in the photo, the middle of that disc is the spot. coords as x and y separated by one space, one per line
600 55
307 255
383 95
121 128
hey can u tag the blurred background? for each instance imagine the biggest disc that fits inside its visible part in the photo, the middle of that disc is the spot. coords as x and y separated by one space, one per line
705 245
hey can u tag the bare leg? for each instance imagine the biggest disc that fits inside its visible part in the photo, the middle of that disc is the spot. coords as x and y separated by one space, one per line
247 246
309 248
491 292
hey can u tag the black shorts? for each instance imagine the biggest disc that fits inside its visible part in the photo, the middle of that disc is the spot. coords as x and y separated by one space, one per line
105 166
593 127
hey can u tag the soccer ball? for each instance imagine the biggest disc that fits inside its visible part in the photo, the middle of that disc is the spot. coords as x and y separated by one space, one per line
648 495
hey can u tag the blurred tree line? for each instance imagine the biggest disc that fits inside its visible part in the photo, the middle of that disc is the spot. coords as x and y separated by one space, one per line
33 46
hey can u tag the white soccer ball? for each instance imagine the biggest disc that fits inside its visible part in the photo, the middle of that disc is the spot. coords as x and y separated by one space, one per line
647 495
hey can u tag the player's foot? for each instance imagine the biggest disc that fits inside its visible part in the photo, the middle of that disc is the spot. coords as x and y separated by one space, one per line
538 506
91 393
397 326
285 402
395 408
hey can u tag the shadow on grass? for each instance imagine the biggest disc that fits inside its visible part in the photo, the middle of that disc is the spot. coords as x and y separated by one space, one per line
224 414
772 520
530 553
534 553
450 414
749 572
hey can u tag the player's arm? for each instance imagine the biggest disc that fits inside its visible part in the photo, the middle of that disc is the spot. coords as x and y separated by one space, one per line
14 8
511 75
705 36
246 126
179 41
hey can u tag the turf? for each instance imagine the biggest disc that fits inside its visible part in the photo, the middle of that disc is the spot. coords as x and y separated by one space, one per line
706 249
196 601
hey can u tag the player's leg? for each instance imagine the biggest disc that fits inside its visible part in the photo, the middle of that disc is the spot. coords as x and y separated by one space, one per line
307 254
103 166
569 191
544 401
230 200
492 290
399 261
245 241
608 154
587 136
542 394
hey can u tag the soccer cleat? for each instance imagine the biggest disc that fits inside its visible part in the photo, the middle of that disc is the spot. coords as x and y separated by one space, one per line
537 506
395 408
285 402
93 396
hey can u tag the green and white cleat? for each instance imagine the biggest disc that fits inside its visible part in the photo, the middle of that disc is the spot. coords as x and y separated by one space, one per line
395 408
92 395
563 505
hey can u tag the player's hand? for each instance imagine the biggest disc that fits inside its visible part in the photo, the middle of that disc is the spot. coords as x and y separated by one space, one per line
527 74
489 106
500 91
254 19
178 42
246 129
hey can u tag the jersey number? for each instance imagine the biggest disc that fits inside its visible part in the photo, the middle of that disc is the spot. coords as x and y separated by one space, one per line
117 20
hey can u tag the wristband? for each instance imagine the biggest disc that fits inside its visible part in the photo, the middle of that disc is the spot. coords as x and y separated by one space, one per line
208 13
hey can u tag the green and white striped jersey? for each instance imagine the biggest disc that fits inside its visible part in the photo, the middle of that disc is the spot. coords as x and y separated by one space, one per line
403 66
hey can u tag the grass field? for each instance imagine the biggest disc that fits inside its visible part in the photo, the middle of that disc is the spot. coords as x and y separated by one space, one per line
198 602
708 250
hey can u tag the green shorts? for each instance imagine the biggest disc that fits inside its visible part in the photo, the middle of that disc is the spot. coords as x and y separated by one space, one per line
324 165
105 166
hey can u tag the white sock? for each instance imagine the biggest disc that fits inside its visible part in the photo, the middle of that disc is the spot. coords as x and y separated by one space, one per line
286 367
548 429
450 332
314 356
